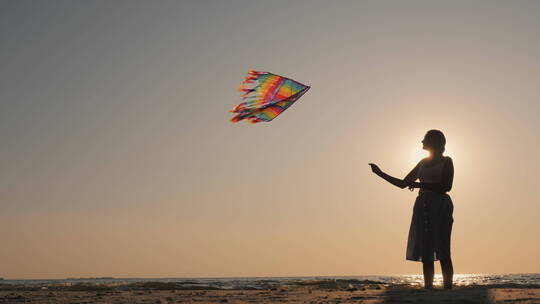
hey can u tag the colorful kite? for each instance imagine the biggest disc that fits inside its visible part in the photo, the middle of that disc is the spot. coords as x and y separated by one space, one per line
266 95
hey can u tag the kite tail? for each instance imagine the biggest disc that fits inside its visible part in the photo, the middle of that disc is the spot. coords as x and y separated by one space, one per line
240 115
254 120
236 119
239 108
251 78
245 114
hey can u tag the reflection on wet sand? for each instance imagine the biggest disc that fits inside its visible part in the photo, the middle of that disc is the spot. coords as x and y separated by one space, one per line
294 291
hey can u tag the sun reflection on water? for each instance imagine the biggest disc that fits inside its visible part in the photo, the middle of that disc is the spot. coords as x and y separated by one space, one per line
474 279
458 279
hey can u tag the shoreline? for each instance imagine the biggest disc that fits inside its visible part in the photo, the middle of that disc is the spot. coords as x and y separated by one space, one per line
272 290
298 294
244 284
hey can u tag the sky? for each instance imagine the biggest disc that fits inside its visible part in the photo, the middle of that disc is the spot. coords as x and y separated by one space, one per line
118 157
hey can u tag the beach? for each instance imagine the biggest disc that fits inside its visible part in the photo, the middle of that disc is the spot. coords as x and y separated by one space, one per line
458 295
304 291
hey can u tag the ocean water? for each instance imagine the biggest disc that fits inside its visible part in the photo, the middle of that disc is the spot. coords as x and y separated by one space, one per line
464 280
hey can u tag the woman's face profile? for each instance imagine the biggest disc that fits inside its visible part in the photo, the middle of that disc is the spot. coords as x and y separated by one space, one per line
426 144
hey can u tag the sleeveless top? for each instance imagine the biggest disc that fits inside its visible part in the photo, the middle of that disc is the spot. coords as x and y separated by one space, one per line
431 174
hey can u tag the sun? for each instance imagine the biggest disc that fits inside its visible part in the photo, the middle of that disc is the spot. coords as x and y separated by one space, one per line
418 154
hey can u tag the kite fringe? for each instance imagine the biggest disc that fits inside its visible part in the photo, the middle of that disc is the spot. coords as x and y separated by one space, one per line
255 72
238 108
252 76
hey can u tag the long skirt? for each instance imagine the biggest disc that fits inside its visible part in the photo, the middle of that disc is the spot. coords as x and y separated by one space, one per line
431 227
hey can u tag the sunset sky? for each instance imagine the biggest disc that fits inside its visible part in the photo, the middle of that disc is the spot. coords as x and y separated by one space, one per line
117 156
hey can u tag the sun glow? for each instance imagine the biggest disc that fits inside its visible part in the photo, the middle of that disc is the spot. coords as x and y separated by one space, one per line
418 153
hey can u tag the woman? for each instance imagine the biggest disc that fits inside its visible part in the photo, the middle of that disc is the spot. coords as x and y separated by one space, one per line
431 225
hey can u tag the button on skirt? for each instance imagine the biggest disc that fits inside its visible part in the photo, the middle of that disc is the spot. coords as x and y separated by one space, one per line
431 227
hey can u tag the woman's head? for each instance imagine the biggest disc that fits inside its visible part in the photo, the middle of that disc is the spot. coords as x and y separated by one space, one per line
434 141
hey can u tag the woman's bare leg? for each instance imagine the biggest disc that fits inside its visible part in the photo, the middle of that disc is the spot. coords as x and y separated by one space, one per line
447 272
429 272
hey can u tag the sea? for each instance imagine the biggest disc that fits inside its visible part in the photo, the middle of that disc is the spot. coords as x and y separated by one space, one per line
529 280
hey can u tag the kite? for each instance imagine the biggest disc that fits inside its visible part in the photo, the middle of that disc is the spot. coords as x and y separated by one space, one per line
266 95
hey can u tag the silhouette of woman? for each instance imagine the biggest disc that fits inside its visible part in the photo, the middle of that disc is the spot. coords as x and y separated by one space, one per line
431 225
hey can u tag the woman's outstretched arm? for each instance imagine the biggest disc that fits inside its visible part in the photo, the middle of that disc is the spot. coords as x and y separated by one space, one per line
401 183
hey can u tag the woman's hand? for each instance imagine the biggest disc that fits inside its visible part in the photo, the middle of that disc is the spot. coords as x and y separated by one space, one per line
392 180
375 169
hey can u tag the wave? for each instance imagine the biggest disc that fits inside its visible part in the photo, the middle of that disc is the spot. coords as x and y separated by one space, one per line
272 283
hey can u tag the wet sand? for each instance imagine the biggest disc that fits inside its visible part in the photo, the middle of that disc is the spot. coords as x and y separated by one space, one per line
280 295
